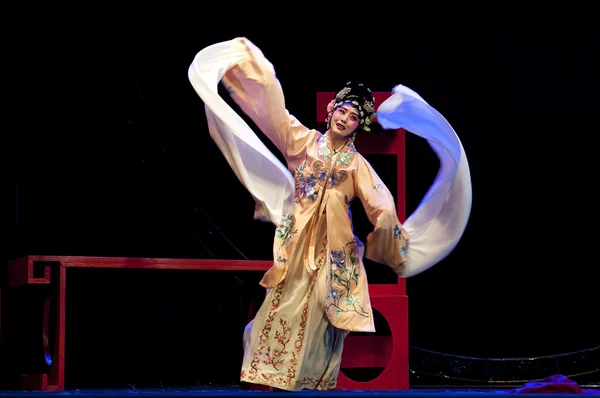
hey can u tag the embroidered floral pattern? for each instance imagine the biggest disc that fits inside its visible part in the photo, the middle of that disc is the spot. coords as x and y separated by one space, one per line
322 256
345 157
342 159
285 231
274 357
323 148
320 171
283 356
308 181
281 259
337 177
264 334
317 384
305 184
398 235
343 274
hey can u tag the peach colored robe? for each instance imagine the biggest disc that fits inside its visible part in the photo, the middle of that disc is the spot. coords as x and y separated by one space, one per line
317 286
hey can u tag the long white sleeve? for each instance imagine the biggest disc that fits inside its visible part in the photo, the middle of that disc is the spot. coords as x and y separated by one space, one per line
266 178
439 221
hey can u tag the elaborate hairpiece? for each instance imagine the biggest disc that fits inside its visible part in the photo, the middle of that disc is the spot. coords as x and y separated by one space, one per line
360 97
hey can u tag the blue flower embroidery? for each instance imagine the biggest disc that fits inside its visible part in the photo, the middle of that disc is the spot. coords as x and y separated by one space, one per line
343 274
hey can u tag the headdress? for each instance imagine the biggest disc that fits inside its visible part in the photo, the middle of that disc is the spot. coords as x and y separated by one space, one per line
360 97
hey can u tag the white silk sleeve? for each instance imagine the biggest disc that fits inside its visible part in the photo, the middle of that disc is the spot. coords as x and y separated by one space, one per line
262 174
436 226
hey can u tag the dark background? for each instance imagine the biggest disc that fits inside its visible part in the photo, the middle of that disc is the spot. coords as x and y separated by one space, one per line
108 154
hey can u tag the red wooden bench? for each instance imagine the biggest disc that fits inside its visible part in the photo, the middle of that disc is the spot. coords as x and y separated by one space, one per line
39 270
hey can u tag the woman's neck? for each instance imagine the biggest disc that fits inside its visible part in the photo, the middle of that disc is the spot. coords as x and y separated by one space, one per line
337 143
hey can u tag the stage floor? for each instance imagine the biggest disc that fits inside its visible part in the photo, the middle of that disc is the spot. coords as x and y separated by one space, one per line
236 391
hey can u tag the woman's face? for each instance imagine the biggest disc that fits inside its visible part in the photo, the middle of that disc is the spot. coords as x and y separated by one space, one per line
344 121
